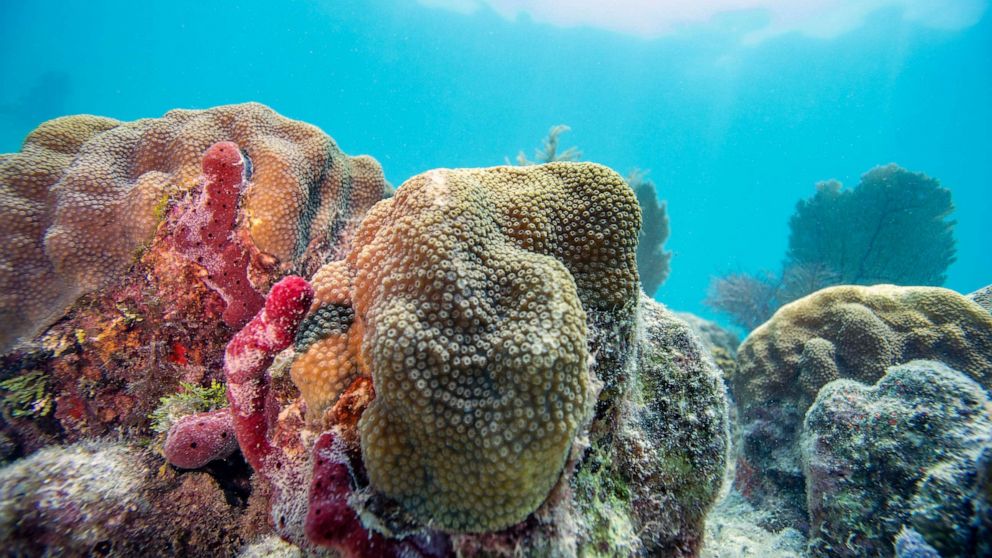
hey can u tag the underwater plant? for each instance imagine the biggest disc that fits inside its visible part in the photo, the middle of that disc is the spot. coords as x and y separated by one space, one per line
652 259
548 152
890 228
190 400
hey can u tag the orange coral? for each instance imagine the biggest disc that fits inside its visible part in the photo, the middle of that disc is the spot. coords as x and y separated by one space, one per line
328 342
85 192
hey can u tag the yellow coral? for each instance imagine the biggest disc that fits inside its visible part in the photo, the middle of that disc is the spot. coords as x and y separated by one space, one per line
858 332
471 287
83 192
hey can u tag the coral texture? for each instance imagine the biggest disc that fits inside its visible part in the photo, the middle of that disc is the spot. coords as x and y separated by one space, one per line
309 498
910 544
842 332
328 342
719 342
98 499
983 297
85 193
671 445
205 233
471 287
195 440
903 451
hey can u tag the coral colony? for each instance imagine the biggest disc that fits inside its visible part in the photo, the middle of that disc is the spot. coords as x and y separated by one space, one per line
225 336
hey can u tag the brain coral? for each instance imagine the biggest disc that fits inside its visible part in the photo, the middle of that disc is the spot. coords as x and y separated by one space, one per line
850 332
82 195
472 287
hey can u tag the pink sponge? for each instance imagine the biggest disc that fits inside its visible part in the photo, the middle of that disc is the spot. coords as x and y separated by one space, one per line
205 233
196 440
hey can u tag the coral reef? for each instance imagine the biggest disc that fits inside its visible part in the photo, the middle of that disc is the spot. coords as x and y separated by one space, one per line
472 371
635 474
900 452
840 332
85 193
100 499
163 317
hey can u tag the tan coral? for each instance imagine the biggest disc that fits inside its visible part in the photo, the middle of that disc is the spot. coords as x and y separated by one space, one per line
84 193
858 332
473 287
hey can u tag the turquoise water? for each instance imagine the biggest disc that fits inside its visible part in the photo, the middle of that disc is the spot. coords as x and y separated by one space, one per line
737 113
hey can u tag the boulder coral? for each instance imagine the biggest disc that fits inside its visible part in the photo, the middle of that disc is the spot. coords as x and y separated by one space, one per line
471 287
849 332
85 193
903 451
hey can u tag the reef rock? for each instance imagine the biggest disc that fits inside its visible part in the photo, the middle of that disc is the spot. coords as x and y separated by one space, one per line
849 332
100 499
903 451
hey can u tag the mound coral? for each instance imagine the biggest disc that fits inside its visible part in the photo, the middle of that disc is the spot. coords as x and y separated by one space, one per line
327 344
900 452
85 193
470 286
842 332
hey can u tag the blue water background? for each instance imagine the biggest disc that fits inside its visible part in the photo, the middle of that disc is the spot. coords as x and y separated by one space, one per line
733 134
